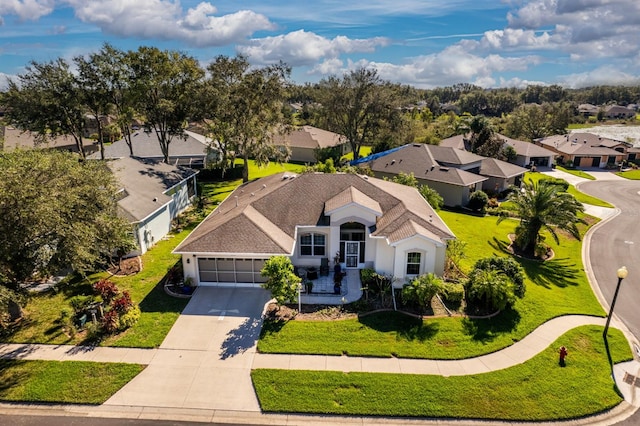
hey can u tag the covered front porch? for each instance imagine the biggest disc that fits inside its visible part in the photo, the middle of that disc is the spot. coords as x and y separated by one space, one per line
323 294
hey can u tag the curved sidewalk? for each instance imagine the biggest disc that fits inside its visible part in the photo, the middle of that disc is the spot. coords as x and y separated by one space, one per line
521 351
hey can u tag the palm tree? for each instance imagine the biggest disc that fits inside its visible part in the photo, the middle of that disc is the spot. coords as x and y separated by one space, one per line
543 205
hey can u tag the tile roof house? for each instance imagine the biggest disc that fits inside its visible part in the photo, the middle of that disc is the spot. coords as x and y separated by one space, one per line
14 138
586 149
304 141
454 173
527 153
617 111
193 150
369 222
151 195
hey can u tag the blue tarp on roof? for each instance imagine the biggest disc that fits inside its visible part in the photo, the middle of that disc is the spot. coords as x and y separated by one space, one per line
375 156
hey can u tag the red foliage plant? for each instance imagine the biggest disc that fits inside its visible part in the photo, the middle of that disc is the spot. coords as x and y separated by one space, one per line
106 289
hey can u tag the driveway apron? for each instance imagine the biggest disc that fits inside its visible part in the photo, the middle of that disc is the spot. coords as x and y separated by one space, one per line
205 360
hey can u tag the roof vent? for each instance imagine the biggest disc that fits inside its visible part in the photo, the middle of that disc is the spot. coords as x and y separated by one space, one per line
444 169
236 201
253 194
155 200
393 161
585 141
264 186
285 177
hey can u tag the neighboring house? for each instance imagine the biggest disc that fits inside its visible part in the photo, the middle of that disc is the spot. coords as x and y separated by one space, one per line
588 110
617 111
633 153
369 222
585 149
527 153
454 173
193 150
19 139
152 194
306 140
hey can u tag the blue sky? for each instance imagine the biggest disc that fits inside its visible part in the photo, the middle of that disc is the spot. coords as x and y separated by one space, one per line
425 43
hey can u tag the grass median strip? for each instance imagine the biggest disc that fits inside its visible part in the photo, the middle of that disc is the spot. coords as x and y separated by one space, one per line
72 382
537 390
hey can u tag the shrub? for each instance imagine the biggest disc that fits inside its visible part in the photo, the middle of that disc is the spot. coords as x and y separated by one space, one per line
106 289
122 303
478 201
509 267
367 276
555 181
81 303
110 322
432 196
421 290
281 281
129 318
452 292
489 289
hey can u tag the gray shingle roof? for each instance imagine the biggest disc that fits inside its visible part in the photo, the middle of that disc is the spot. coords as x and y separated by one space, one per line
261 217
145 181
146 145
501 169
420 160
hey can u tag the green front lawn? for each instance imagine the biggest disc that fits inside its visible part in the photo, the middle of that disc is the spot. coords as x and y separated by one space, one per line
71 382
554 288
576 172
580 196
537 390
630 174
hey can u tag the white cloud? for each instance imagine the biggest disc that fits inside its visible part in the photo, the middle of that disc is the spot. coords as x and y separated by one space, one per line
605 75
25 9
305 48
450 66
165 19
328 67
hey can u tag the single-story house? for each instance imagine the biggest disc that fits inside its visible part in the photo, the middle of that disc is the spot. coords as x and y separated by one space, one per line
454 184
20 139
151 195
366 222
617 111
306 140
585 149
527 153
454 173
192 150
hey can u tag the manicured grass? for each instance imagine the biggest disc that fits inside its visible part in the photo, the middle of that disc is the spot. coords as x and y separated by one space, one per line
72 382
580 196
537 390
630 174
554 288
364 151
576 172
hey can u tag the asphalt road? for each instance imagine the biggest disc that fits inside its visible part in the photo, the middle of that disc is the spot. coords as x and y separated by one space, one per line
93 421
617 243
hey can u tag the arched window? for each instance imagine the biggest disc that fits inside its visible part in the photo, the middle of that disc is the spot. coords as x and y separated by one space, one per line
312 244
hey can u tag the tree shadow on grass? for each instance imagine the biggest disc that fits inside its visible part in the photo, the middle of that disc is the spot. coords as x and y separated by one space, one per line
11 374
500 245
407 327
487 329
556 272
159 301
242 338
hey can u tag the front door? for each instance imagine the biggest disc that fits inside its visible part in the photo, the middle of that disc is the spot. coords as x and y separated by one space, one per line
353 254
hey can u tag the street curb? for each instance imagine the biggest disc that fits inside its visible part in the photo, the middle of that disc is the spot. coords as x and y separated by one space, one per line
610 417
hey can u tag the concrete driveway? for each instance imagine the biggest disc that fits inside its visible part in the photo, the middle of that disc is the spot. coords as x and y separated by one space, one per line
205 360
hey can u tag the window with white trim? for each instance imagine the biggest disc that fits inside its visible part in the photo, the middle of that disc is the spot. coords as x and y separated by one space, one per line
313 244
413 263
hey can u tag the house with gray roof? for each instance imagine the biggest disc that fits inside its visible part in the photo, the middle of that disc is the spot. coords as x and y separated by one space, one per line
527 153
453 173
586 149
14 138
364 221
151 195
304 142
192 149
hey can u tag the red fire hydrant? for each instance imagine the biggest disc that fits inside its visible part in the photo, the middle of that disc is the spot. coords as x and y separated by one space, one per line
563 354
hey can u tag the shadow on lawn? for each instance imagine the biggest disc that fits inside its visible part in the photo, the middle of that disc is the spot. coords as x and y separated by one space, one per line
407 327
487 329
556 272
10 377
